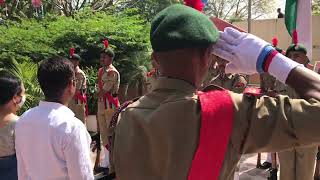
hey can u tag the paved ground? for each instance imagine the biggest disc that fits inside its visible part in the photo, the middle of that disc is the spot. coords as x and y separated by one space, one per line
247 171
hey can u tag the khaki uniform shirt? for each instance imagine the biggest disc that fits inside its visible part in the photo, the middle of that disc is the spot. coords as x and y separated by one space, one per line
110 80
157 136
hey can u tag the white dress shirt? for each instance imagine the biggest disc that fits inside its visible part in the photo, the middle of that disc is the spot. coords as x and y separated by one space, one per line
52 144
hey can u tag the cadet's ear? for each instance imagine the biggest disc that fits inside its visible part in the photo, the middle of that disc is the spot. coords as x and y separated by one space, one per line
206 55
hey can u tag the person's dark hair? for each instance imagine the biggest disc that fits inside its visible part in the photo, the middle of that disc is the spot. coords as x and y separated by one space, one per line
54 75
108 52
9 86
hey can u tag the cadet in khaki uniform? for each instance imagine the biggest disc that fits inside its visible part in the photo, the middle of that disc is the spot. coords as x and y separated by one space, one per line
165 135
233 82
108 86
298 163
79 102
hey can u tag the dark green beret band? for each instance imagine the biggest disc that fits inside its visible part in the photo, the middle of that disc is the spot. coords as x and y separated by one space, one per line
279 49
109 52
76 57
297 48
180 26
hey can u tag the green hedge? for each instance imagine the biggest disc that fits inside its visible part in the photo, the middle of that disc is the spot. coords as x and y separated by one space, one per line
33 40
24 44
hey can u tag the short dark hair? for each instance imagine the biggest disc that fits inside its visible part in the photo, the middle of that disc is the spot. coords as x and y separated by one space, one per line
54 75
10 86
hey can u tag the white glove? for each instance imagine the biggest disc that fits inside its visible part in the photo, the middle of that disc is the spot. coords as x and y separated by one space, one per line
247 54
240 49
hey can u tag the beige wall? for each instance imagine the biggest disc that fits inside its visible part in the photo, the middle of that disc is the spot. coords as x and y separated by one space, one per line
267 29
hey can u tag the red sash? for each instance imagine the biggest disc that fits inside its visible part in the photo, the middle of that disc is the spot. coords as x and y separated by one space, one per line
82 98
216 128
110 101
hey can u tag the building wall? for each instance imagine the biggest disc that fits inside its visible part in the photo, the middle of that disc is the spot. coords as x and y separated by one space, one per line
270 28
267 29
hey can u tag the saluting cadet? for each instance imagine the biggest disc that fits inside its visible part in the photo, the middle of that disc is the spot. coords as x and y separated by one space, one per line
176 132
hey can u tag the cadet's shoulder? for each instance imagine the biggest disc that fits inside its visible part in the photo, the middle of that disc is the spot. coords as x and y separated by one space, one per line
80 71
101 69
112 71
212 87
153 100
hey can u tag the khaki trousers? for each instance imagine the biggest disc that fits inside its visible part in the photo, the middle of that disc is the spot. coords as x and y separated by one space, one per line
298 163
104 119
78 109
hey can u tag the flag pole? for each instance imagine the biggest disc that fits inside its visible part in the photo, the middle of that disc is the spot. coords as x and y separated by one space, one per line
249 16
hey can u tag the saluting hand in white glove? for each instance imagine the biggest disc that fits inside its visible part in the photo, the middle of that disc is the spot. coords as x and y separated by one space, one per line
242 50
249 54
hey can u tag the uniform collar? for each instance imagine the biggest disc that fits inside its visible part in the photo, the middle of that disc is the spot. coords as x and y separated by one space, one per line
175 84
56 106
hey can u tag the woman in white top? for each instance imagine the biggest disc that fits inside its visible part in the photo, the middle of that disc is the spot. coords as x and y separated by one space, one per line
12 97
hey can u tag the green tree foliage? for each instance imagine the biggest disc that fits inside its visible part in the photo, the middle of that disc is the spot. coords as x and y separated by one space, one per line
237 10
34 40
27 42
316 6
147 8
27 72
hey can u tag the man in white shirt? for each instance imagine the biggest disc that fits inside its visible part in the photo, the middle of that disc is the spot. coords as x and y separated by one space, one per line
51 143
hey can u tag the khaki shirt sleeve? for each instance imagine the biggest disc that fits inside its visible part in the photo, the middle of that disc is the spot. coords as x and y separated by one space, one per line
273 124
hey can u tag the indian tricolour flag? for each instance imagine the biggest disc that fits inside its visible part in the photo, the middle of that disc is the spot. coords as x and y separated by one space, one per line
298 17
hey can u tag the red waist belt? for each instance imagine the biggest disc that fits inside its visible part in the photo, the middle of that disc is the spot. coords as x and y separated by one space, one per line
215 131
110 101
83 99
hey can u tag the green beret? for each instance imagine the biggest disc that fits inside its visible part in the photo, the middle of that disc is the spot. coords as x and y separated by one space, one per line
109 52
75 57
297 48
180 26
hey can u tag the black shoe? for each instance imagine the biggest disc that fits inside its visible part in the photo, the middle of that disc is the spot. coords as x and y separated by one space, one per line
258 166
111 176
101 170
265 165
273 174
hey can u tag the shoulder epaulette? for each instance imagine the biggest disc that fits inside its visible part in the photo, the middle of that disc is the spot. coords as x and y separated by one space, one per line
212 87
253 91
